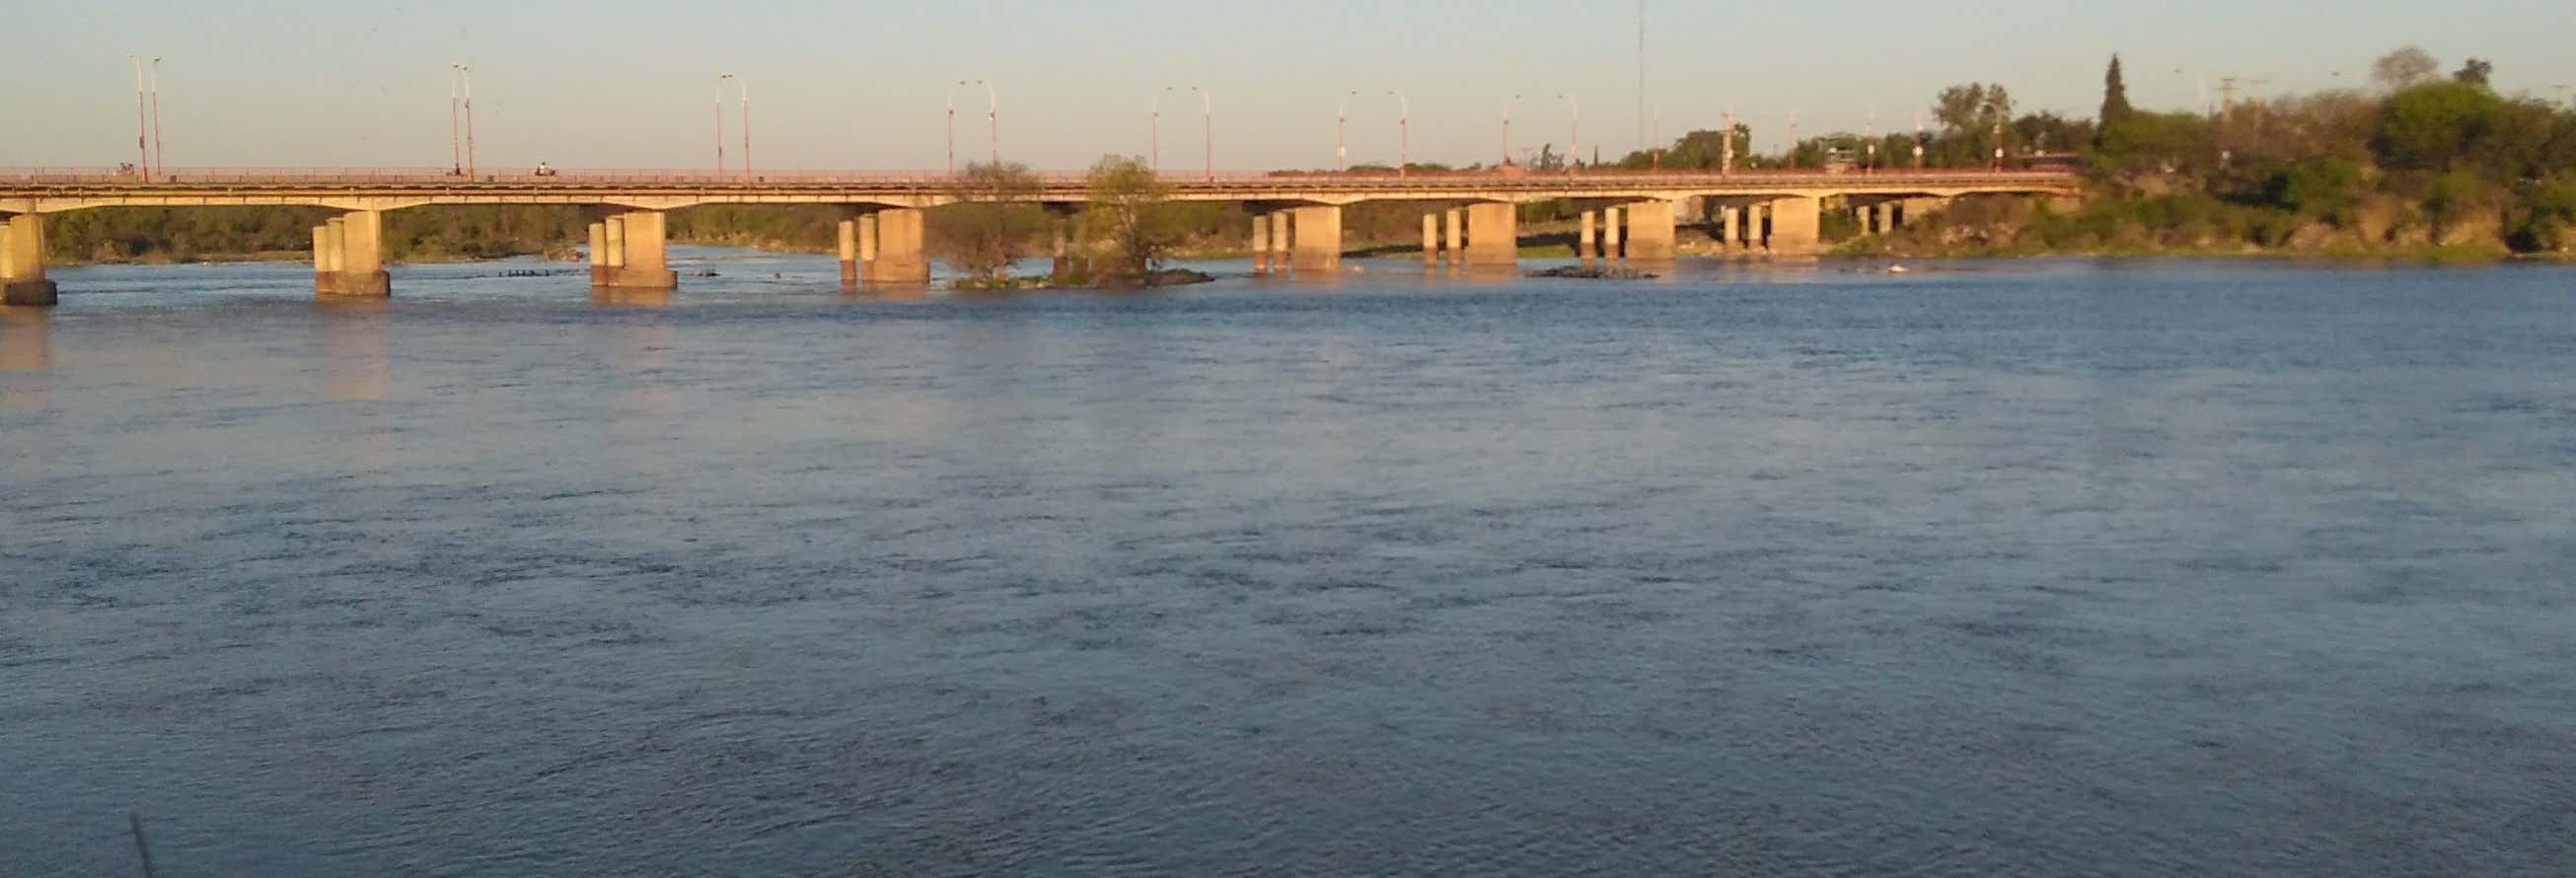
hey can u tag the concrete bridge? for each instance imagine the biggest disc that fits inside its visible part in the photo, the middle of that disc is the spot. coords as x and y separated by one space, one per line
1471 219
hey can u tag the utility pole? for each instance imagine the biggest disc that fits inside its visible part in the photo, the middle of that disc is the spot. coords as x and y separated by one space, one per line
720 157
456 133
1726 150
745 84
1793 138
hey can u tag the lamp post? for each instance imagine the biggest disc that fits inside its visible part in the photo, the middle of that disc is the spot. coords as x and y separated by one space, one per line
1726 144
1404 133
1574 131
456 134
1154 156
1657 143
465 75
720 157
142 129
1207 132
745 84
992 123
1793 138
159 159
1342 124
1870 164
1507 131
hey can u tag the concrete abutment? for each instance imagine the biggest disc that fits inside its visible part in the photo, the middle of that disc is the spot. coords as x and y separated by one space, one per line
22 262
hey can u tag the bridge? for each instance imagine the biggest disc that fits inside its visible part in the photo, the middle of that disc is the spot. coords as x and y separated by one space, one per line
1471 218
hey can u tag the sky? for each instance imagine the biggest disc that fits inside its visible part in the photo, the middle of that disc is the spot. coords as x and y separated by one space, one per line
863 84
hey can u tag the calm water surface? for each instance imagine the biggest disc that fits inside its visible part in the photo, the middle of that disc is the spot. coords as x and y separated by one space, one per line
2010 569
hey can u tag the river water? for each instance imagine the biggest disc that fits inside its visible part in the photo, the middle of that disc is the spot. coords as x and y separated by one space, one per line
2045 568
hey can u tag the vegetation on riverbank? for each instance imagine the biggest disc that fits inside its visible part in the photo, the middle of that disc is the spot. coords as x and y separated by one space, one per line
2425 167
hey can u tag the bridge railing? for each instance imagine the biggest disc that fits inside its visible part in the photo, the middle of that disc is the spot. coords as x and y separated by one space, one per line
1375 179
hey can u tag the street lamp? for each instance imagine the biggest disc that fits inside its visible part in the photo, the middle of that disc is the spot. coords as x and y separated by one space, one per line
992 120
1207 131
1870 165
1657 157
159 158
720 158
142 129
1574 135
1155 155
1404 134
456 134
745 84
1341 124
465 75
1507 131
1726 143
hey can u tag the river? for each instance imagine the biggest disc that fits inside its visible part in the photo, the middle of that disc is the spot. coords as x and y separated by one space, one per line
2007 568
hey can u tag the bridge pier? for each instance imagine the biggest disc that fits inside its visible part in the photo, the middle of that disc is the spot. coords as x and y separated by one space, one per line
1583 240
599 254
1493 235
1886 216
349 256
1453 228
1431 242
1796 226
1279 242
1729 228
867 248
849 235
1610 250
22 262
1318 239
1650 232
900 257
638 252
1260 243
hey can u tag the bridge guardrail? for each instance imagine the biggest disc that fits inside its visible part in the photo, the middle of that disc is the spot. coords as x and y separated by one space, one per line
574 178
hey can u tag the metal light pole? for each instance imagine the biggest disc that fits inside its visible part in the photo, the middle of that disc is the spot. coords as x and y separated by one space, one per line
952 130
1574 129
466 75
1155 156
992 122
456 133
142 129
159 159
1342 124
1793 138
1726 144
1657 156
1404 134
1207 131
1507 131
720 158
1918 141
745 84
1870 166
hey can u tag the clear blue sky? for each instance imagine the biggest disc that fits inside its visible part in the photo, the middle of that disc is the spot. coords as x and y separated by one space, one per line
861 84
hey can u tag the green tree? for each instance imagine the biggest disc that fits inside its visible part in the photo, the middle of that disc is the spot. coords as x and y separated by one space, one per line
992 223
1130 213
2324 188
2476 72
2115 97
2431 127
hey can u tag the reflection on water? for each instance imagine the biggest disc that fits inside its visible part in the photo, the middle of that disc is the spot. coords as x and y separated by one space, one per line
2034 568
26 346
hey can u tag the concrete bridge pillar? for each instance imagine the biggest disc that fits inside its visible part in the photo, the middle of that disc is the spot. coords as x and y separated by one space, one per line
1650 231
1610 250
848 232
326 258
1318 239
599 253
1279 233
1727 232
868 247
638 258
1885 214
362 255
22 262
1757 226
1454 225
1795 226
1430 241
1260 243
1583 240
901 257
1493 235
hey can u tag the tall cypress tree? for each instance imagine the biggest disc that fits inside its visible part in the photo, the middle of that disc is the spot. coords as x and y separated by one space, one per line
2115 97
